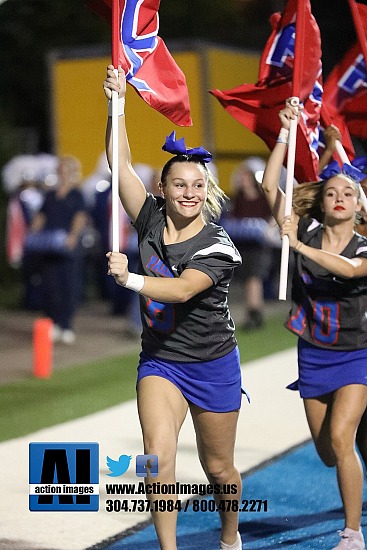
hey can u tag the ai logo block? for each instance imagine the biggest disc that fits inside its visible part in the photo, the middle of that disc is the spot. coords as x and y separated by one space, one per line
63 477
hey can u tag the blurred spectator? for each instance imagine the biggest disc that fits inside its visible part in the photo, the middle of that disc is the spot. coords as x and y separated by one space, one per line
149 176
98 181
24 179
123 302
97 192
250 225
55 236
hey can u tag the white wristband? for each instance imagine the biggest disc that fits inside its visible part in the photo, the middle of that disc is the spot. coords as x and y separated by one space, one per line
134 282
283 136
120 106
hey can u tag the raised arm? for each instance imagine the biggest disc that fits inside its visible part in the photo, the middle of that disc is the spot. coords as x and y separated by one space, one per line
270 183
131 189
331 134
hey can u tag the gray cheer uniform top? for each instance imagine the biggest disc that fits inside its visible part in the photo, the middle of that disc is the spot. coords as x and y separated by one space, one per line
328 311
200 329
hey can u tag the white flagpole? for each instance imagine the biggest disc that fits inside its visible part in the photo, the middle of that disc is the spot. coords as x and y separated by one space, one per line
341 152
284 261
115 173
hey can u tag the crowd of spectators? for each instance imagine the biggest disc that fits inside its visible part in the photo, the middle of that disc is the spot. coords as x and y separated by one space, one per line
59 229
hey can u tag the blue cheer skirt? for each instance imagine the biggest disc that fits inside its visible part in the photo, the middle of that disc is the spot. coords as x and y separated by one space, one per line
212 385
323 371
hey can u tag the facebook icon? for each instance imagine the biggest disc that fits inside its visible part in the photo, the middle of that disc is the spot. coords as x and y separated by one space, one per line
146 465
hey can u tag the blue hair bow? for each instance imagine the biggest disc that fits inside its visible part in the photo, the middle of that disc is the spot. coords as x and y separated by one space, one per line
333 169
360 163
178 147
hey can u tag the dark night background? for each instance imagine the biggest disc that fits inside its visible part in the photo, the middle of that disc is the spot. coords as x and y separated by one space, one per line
29 29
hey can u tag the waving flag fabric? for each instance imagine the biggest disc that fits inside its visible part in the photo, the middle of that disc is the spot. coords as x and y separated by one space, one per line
277 60
148 65
256 106
359 14
346 91
346 86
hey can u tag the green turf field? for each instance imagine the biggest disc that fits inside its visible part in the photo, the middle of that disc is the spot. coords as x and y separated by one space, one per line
73 392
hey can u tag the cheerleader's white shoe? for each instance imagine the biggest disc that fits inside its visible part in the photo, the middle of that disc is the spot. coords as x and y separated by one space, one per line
235 546
350 540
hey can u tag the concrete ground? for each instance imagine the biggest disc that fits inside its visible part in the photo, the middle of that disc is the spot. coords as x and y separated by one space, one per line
273 423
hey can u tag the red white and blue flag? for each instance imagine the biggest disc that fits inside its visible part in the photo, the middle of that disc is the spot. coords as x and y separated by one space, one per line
359 14
346 86
145 59
278 62
256 106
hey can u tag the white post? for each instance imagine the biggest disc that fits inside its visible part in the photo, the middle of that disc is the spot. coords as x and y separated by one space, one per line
115 173
288 201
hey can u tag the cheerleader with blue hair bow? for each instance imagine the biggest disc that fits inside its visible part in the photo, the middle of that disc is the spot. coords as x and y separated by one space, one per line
328 315
189 359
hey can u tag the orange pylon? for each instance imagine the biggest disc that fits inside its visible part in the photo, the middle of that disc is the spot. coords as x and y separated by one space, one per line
42 348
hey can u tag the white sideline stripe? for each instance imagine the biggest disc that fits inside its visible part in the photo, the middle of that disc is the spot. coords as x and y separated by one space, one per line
272 423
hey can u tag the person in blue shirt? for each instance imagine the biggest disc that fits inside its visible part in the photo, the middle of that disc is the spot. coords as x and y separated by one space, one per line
61 271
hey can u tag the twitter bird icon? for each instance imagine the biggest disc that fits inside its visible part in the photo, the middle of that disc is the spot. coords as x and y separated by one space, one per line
118 467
